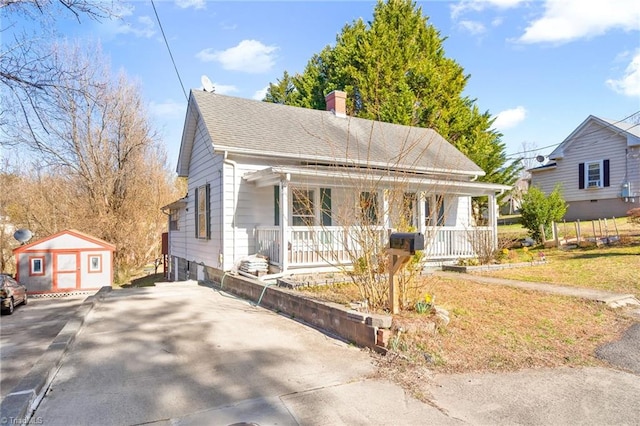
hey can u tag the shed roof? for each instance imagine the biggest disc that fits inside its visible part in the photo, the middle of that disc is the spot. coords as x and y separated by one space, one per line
263 129
99 243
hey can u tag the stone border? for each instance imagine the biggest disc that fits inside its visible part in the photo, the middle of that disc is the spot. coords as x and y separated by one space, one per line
18 406
495 267
364 329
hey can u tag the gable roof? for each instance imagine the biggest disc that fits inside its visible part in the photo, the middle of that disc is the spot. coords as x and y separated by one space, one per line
40 244
630 130
263 129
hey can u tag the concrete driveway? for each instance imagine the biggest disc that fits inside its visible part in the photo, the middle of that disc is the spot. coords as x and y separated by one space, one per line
182 354
26 334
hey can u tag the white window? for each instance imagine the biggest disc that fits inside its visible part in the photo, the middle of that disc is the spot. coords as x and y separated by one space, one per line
594 174
369 208
95 263
202 212
303 207
37 265
174 220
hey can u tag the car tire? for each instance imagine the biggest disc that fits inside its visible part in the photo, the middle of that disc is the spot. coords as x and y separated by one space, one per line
10 308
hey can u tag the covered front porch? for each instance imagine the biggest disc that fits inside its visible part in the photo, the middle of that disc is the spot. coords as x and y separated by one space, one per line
338 246
325 217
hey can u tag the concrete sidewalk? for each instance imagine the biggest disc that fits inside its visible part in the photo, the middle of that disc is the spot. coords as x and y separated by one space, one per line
611 299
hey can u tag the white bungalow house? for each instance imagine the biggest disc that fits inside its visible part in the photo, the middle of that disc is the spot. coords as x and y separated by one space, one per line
297 184
598 168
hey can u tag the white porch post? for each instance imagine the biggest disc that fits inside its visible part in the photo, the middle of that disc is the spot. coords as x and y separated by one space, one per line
386 214
284 223
493 218
422 219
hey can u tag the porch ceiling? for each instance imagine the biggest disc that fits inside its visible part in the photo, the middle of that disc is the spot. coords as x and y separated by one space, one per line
354 178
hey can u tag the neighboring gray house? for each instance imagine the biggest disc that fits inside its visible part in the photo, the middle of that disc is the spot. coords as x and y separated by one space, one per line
67 261
598 166
294 183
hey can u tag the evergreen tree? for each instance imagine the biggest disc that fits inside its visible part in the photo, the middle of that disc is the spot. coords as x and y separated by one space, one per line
394 69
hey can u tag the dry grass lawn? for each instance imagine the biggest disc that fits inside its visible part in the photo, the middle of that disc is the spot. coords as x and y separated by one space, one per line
613 268
496 328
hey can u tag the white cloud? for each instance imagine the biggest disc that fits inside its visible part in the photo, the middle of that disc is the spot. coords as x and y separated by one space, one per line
566 20
249 56
472 27
167 109
145 27
260 94
462 7
224 89
629 83
196 4
510 118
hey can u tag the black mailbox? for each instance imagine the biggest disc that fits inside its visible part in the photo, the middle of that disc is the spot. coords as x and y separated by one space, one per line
407 241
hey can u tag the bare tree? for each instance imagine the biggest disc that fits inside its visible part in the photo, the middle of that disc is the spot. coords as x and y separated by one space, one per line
100 166
28 68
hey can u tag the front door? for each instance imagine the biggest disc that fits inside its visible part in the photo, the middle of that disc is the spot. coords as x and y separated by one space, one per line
66 274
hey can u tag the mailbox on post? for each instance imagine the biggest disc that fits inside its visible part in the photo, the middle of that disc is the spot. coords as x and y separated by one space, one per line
409 242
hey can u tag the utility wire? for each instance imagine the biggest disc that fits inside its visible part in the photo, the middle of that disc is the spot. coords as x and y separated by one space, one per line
614 124
169 49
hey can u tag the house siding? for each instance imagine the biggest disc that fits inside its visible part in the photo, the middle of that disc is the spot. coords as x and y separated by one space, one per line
595 143
204 168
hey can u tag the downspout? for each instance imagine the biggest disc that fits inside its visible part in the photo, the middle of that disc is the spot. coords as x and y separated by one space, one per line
234 165
167 268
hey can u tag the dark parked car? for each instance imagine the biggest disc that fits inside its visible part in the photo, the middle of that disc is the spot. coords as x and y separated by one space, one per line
13 293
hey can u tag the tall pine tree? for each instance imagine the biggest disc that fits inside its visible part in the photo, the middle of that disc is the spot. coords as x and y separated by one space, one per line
394 69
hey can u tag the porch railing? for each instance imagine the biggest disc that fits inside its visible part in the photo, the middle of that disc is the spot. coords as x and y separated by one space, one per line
336 245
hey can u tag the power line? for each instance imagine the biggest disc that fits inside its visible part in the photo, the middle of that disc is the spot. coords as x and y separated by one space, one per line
169 49
614 124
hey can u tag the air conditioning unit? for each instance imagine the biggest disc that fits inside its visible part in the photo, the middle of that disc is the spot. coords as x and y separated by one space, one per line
594 184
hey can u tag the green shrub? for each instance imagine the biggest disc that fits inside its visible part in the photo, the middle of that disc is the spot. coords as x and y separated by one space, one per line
538 209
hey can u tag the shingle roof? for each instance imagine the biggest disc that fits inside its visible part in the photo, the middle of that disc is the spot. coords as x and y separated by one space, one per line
267 129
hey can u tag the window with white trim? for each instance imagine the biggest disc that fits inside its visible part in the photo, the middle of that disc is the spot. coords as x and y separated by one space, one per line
369 208
303 207
95 263
202 215
593 174
36 265
174 220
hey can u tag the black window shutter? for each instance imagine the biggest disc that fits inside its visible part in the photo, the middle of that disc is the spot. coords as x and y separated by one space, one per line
195 210
581 176
207 209
325 205
276 205
605 165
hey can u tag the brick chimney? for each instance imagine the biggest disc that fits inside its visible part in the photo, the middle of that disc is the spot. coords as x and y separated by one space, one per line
337 102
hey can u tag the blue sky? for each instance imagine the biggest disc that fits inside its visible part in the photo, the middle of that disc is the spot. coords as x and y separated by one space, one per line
540 67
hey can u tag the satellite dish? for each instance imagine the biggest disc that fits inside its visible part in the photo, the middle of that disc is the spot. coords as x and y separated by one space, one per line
207 85
22 235
540 158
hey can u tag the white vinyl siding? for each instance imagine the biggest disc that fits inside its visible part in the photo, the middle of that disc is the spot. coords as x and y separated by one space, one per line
595 144
204 168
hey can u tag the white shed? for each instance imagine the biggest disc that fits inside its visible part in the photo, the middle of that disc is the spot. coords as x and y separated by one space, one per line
67 261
